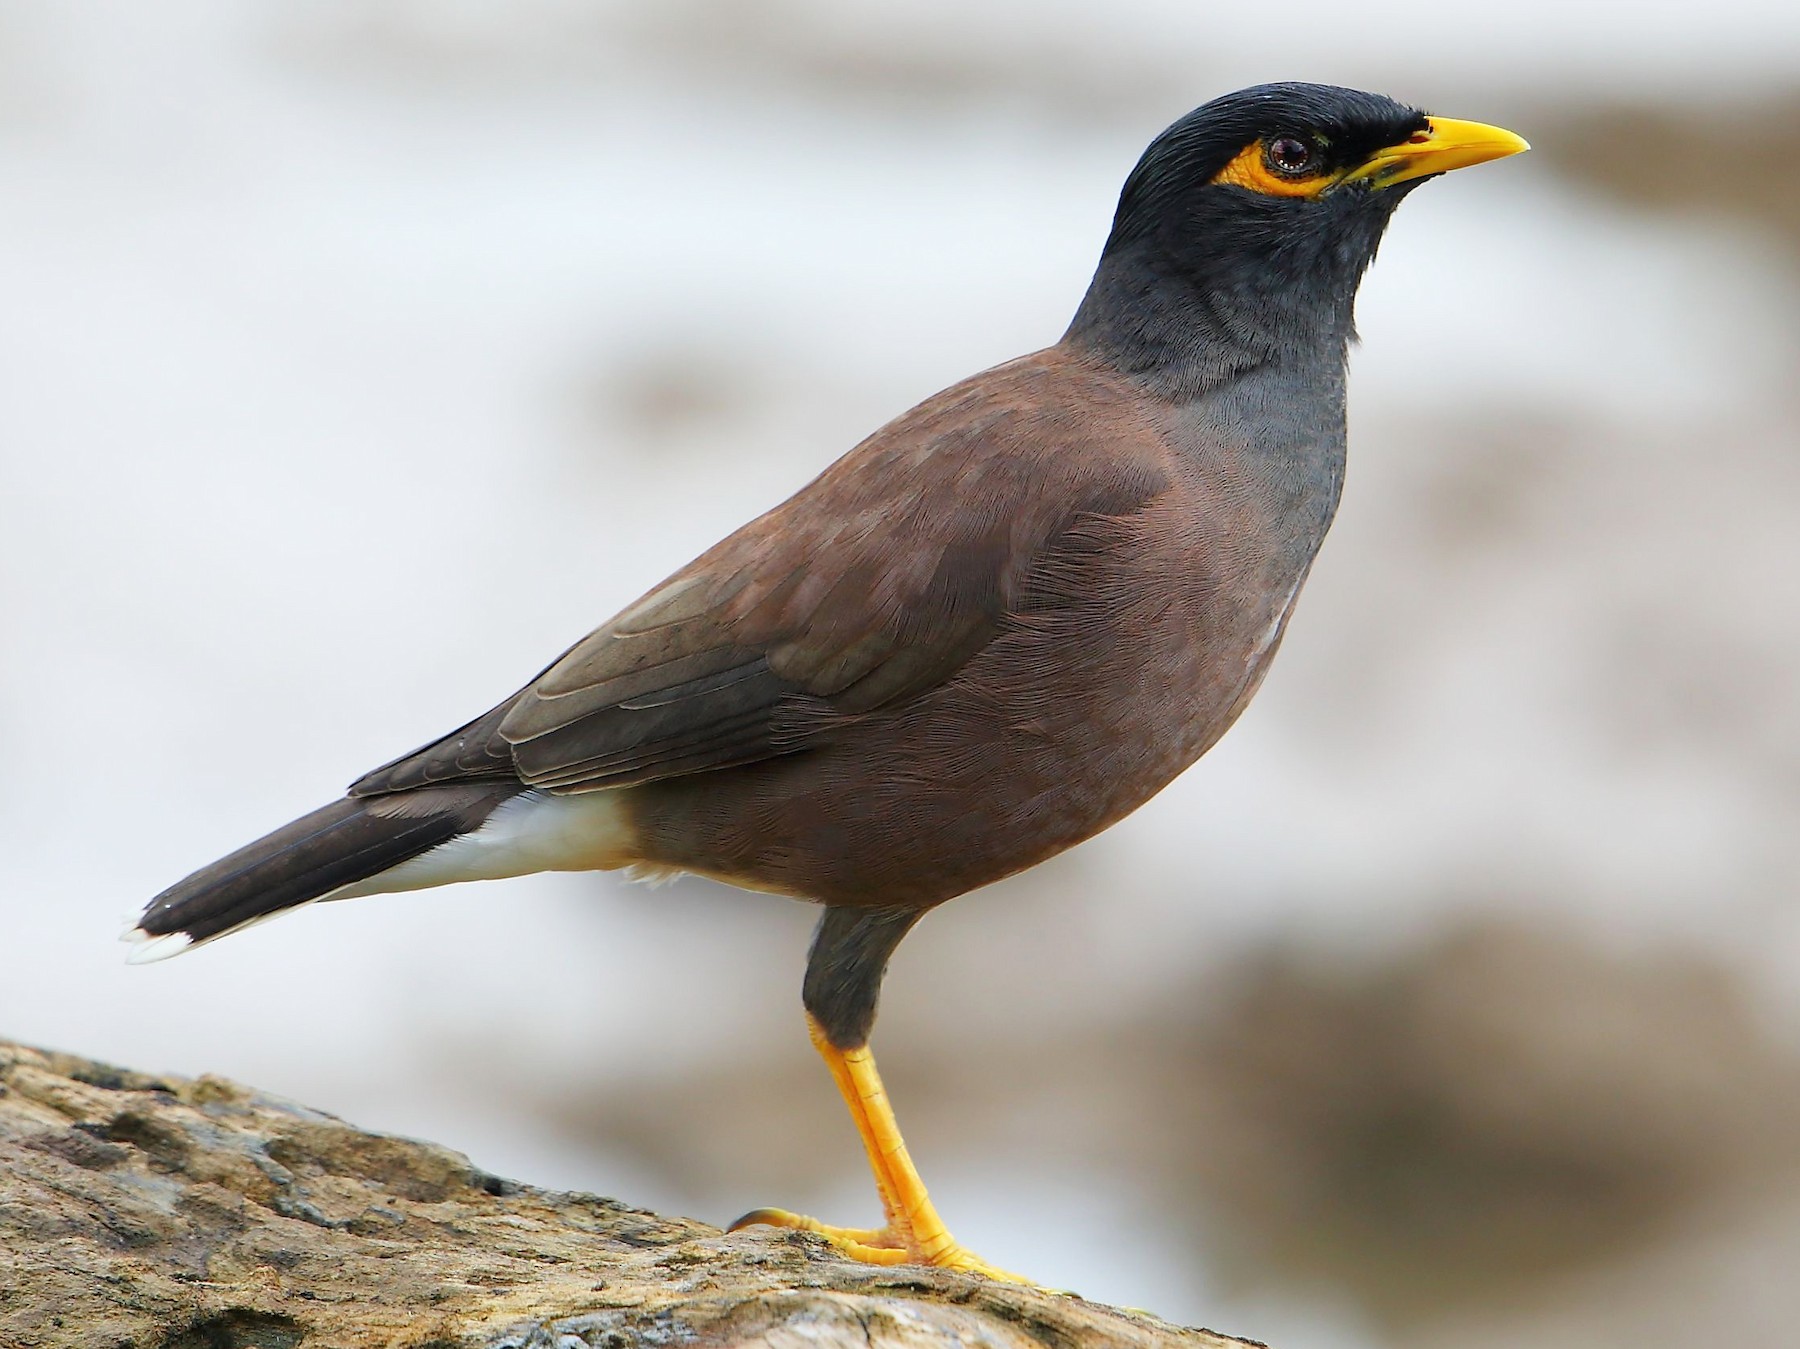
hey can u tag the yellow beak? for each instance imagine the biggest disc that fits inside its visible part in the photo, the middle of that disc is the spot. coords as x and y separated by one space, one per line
1443 145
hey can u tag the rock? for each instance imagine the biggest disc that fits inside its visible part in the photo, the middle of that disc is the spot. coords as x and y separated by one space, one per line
163 1213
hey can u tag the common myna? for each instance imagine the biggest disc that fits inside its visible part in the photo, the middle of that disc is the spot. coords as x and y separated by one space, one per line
999 624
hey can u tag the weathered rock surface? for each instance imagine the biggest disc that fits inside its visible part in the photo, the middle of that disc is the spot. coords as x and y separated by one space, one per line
161 1213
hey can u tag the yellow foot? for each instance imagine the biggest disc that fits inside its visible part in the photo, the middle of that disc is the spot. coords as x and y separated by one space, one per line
914 1234
883 1245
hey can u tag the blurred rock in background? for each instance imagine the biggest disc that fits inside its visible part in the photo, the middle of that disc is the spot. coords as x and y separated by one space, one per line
1503 1111
1699 163
359 356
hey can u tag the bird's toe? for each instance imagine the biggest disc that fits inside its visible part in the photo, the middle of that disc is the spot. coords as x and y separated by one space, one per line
880 1246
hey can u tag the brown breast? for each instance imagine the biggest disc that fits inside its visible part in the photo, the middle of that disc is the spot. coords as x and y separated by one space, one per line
1134 638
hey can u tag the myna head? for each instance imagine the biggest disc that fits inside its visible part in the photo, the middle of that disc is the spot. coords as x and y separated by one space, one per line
1252 219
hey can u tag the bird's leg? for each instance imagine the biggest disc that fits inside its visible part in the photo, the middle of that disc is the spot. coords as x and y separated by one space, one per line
843 976
914 1234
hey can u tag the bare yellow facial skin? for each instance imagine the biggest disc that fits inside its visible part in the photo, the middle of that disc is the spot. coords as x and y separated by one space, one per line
1251 170
1441 145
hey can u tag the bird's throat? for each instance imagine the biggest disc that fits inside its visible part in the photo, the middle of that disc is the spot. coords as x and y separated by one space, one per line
1185 334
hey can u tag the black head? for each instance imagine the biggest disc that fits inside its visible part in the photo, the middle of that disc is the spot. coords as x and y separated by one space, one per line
1243 231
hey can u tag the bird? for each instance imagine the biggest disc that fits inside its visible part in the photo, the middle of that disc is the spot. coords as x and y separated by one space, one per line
995 627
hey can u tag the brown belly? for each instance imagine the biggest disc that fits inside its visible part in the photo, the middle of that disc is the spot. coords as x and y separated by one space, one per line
1044 739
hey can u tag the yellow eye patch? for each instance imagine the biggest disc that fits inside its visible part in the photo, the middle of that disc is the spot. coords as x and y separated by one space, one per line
1251 170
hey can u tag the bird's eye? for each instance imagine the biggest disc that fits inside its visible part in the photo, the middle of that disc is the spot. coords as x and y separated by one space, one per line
1290 156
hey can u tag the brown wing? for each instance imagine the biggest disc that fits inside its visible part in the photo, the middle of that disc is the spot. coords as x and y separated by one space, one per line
872 585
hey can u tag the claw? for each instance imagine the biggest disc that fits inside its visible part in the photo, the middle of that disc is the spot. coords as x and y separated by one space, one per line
780 1217
877 1246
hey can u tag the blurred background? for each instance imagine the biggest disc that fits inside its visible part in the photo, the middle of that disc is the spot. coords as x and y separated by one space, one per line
357 355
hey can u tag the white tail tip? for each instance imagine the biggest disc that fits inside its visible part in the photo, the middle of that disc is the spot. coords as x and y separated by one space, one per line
148 948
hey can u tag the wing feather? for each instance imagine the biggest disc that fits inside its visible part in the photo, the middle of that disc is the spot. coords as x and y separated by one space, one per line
871 586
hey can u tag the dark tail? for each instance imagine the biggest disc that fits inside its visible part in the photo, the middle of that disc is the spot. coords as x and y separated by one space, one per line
345 842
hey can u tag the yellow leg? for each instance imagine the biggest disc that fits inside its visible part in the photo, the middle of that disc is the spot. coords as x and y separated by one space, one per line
914 1233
